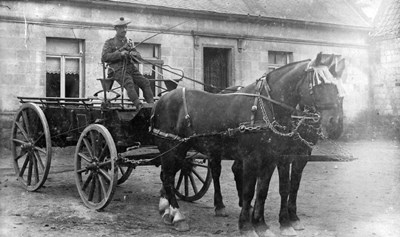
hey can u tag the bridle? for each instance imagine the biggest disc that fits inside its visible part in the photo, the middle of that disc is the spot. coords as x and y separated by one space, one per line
318 76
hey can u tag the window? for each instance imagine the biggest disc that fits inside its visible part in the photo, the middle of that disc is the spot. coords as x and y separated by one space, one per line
151 54
277 59
64 68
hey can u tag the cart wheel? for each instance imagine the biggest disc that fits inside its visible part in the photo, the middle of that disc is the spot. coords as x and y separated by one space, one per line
31 146
193 180
95 169
124 173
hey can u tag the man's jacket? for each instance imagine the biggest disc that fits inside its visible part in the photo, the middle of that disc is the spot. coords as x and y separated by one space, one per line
112 53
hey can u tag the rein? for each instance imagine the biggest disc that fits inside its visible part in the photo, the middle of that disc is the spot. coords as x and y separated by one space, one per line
266 123
243 127
288 107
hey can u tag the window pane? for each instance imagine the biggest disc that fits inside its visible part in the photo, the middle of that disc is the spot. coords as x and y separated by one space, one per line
271 57
53 77
72 66
71 77
53 65
62 46
281 58
53 84
71 85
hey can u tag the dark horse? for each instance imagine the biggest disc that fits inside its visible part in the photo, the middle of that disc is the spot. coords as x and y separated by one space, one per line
250 126
290 168
290 173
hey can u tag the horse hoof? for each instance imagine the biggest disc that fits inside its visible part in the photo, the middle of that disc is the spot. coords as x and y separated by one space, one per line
263 230
297 225
248 233
267 233
167 218
221 212
181 226
288 231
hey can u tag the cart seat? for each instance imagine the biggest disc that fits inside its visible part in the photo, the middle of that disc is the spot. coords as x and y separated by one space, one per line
106 84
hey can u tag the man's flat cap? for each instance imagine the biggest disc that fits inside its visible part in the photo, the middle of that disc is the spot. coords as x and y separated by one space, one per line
121 21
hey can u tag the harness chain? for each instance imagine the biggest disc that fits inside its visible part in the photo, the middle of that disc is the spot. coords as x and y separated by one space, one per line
242 127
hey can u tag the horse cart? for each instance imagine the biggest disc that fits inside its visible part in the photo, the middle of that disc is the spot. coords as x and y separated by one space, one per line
111 138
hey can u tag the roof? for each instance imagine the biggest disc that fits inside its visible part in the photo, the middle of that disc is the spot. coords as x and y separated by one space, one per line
387 20
338 12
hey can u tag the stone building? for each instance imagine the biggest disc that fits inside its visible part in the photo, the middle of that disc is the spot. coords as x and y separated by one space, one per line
385 59
52 48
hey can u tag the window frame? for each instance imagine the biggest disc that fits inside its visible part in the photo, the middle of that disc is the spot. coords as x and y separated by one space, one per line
273 66
155 59
65 56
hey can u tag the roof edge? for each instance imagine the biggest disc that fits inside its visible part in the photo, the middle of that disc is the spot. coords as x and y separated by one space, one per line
216 15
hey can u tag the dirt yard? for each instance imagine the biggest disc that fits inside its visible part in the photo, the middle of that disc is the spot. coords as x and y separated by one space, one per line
344 199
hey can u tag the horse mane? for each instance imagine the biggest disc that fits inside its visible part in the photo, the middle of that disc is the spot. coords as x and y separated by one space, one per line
278 70
288 65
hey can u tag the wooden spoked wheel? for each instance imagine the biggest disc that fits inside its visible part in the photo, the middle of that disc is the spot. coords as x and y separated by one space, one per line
95 168
31 146
193 180
123 173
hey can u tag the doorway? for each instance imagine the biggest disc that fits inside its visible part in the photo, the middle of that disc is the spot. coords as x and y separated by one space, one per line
217 68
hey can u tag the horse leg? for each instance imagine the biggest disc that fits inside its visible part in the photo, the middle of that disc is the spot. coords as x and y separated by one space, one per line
249 179
237 170
265 174
169 166
216 173
297 170
163 206
284 189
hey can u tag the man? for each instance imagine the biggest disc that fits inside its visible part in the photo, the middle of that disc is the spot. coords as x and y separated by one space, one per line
117 52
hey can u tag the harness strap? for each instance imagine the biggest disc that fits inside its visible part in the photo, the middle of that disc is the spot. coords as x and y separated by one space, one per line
266 98
171 136
187 116
254 107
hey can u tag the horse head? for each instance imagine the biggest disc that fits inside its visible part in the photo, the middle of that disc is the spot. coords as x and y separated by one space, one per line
311 85
320 88
327 94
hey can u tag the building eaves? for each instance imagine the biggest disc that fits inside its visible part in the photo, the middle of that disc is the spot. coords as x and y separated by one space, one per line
323 12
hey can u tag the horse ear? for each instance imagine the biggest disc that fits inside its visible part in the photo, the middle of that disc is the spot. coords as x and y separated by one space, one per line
341 65
318 59
328 62
337 69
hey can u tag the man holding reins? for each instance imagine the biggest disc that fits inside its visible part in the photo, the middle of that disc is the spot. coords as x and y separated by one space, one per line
117 53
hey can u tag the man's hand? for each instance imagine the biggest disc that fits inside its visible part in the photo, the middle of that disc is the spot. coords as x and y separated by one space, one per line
124 53
135 54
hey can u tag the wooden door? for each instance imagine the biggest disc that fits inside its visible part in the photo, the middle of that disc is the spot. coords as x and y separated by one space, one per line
216 69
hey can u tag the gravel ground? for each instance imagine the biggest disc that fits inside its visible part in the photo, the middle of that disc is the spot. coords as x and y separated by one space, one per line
344 199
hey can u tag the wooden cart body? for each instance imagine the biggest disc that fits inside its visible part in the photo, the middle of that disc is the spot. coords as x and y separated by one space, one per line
111 139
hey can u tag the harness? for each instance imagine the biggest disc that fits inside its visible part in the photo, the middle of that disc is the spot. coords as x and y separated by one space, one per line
252 125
